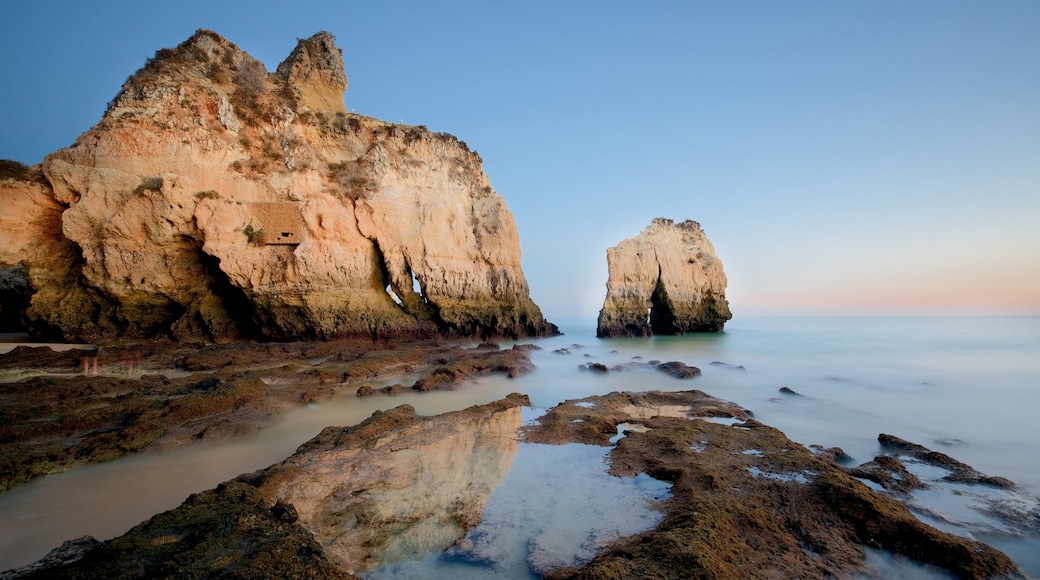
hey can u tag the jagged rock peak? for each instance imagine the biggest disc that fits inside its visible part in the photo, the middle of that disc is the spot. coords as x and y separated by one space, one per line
666 280
316 65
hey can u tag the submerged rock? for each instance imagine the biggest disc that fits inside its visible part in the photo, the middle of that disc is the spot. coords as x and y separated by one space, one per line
991 504
959 472
666 280
217 200
679 370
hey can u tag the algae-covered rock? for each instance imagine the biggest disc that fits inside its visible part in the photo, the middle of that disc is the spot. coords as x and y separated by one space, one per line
228 532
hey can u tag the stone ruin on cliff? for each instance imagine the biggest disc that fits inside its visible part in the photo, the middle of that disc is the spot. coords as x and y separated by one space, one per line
666 280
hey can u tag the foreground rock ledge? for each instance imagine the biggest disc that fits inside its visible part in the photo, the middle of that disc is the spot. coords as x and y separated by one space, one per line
667 280
747 502
217 200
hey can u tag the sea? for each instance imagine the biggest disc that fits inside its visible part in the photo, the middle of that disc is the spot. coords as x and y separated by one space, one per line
966 386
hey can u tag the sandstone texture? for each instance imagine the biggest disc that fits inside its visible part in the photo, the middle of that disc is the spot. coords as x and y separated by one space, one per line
217 200
666 280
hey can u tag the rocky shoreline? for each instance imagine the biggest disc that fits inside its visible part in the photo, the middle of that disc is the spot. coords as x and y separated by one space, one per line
159 395
745 500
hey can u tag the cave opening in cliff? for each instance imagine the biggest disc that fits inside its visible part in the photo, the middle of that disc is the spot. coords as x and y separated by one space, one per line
662 317
15 294
240 309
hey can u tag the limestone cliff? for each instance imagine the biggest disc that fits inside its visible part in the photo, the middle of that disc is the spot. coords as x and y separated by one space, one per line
216 200
666 280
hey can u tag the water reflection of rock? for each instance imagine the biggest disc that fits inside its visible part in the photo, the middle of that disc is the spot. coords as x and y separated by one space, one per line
397 486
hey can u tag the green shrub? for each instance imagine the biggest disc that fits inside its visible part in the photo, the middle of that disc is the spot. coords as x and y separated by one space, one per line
11 169
253 235
149 184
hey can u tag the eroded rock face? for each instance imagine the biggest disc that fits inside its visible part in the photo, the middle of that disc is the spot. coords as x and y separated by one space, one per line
217 200
666 280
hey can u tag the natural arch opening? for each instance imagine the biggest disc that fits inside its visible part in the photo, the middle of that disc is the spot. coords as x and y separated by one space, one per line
662 317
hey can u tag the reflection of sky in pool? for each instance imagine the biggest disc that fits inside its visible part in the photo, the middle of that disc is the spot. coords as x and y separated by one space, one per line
556 507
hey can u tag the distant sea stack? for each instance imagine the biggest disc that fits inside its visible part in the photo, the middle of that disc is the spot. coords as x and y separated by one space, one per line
217 200
666 280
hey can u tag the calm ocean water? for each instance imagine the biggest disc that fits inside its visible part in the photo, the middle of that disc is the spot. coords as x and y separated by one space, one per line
966 386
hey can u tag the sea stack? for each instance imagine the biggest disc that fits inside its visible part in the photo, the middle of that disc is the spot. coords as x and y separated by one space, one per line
217 200
667 280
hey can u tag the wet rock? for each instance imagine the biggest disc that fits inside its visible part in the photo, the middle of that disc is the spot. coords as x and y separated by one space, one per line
746 500
594 420
889 473
790 391
394 389
595 367
451 373
63 556
225 532
1002 507
835 454
141 400
562 350
365 391
959 472
679 370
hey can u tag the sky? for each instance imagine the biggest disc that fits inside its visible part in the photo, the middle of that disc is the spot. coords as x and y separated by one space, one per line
876 157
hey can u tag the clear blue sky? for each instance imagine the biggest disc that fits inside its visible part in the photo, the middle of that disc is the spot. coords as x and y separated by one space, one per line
878 156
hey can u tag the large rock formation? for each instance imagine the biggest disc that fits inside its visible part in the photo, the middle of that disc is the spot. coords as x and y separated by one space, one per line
217 200
666 280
